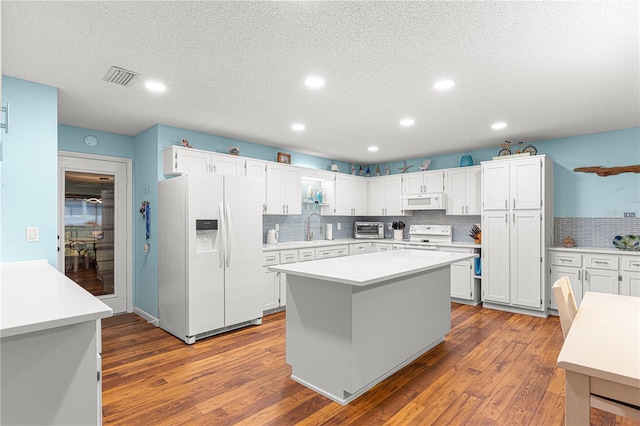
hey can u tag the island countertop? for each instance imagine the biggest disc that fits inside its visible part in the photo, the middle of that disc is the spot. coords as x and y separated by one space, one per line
372 268
35 296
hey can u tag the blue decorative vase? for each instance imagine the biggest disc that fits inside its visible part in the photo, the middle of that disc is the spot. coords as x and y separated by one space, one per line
466 161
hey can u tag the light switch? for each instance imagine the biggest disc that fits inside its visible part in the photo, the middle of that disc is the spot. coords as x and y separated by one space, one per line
277 227
338 226
33 234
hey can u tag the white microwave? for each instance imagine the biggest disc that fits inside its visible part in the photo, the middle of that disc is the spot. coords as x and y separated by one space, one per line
424 201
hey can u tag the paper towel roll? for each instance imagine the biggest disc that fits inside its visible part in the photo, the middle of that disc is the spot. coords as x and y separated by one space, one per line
329 232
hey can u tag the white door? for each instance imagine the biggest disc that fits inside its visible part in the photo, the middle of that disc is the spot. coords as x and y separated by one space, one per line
344 203
292 183
462 279
526 184
495 185
526 261
393 197
95 224
360 194
473 191
413 183
574 276
257 169
377 196
495 251
433 182
275 189
243 276
601 280
456 191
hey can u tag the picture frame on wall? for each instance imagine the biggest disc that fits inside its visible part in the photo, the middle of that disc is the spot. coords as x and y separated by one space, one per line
283 157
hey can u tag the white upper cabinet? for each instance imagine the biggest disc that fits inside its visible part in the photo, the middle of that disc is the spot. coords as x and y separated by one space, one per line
177 160
258 169
224 164
282 189
347 195
462 190
428 182
385 196
512 184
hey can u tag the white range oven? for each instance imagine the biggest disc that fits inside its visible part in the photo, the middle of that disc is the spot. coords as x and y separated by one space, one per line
426 237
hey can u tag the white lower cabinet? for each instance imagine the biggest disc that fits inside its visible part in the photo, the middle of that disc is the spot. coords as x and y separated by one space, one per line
271 283
332 251
376 247
603 272
465 285
630 274
359 248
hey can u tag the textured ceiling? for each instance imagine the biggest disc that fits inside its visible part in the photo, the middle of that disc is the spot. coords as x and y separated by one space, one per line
236 69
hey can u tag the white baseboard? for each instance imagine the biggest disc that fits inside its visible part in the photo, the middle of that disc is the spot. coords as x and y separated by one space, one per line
150 318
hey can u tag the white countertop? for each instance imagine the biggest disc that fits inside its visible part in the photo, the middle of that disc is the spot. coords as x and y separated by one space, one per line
613 251
35 296
372 268
292 245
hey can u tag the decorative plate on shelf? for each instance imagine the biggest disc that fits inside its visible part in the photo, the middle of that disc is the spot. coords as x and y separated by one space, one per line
627 242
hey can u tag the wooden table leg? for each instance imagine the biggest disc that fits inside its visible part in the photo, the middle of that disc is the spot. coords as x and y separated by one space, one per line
577 399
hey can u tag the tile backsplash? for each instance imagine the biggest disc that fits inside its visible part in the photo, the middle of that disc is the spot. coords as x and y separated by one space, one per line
294 227
595 232
587 232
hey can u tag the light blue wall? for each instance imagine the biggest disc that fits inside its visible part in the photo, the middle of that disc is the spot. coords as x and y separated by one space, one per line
145 290
576 194
29 171
173 136
71 138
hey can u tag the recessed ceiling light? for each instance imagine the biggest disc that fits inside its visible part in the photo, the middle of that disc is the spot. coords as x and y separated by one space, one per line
444 84
155 86
314 82
407 122
372 149
298 127
498 126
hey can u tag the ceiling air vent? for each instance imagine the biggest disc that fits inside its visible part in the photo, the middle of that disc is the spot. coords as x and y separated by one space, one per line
120 76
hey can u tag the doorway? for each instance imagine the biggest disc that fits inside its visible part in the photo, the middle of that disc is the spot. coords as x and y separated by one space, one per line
94 225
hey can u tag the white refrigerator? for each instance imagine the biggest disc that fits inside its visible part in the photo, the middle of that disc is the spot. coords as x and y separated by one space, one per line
209 254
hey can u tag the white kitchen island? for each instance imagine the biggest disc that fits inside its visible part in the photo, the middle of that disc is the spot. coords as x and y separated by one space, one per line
50 348
354 321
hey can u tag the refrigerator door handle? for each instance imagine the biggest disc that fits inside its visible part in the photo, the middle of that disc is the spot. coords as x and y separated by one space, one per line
227 225
221 236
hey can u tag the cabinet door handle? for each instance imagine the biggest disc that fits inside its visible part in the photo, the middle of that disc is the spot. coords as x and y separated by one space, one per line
564 259
287 208
514 203
601 262
506 204
462 210
635 264
514 218
586 275
506 218
467 210
579 275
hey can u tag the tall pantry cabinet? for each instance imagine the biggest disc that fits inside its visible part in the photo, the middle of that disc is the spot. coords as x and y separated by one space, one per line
517 228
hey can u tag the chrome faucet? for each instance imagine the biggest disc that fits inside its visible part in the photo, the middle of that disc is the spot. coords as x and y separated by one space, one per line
309 233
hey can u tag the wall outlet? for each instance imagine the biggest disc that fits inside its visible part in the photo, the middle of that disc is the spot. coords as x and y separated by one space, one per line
338 226
629 214
33 234
277 227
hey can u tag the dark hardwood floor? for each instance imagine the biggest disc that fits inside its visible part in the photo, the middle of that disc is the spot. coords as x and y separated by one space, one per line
494 368
87 277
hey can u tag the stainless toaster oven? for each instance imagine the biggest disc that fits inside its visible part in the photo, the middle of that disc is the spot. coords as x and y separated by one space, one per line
368 230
